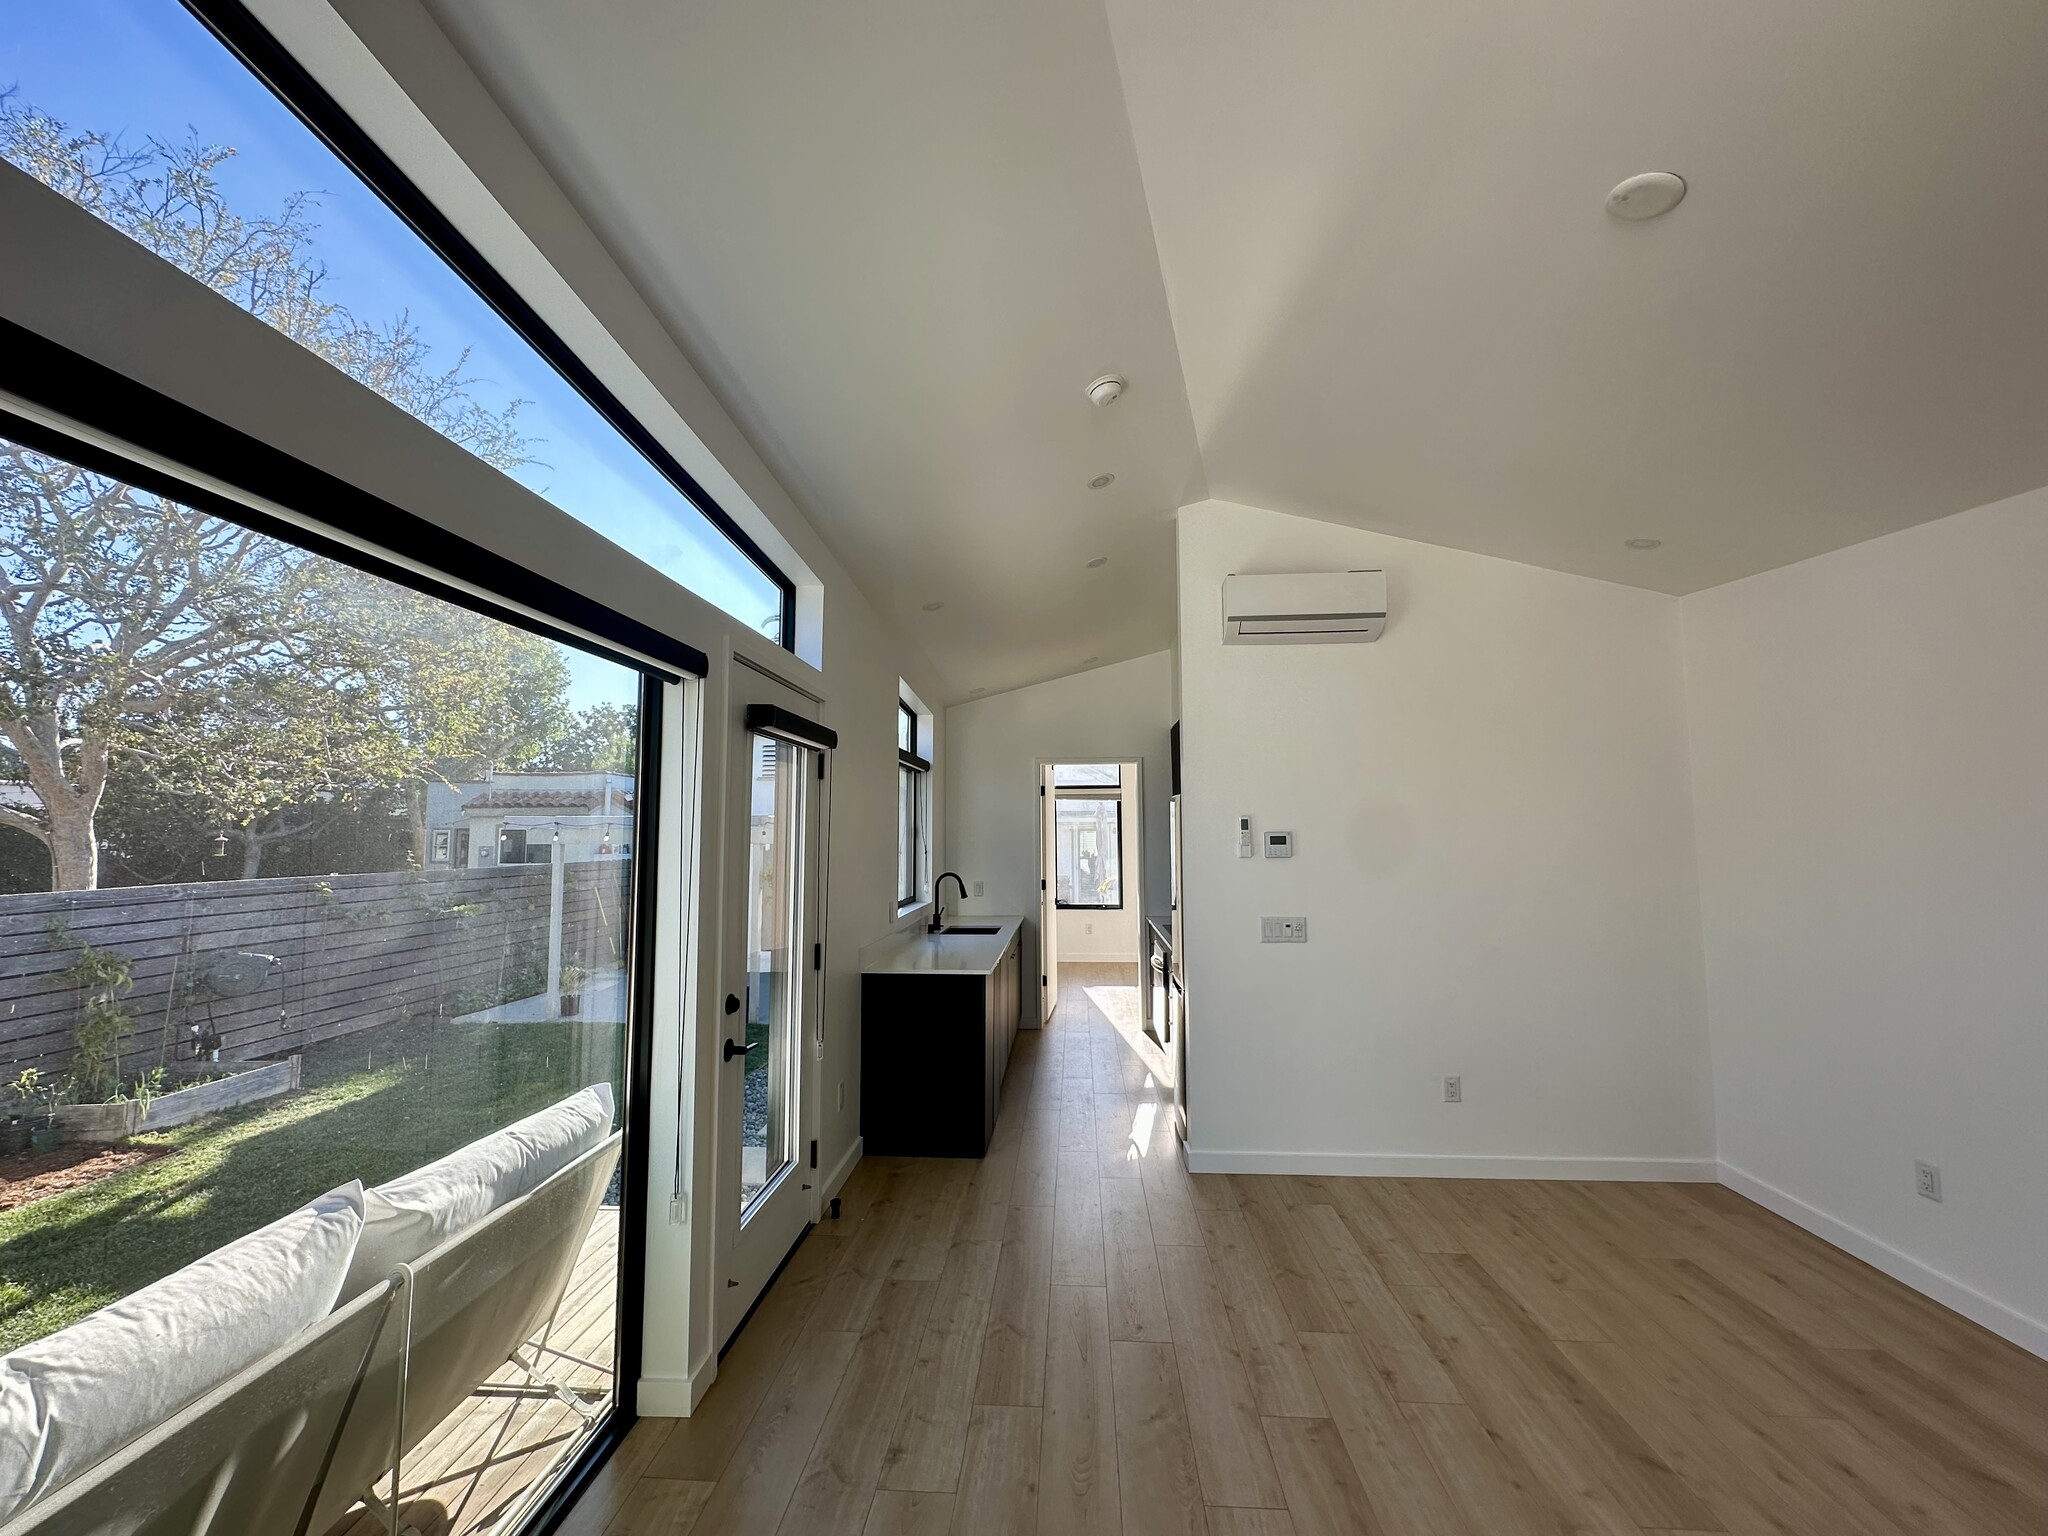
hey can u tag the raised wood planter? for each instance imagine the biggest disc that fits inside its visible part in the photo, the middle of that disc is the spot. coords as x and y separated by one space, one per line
245 1083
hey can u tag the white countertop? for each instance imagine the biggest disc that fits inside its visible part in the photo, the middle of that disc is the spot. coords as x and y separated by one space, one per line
942 954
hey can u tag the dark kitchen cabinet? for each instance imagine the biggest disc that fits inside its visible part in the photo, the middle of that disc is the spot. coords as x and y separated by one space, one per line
934 1048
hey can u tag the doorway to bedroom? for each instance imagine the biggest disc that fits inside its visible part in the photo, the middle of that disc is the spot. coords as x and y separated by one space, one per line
1091 881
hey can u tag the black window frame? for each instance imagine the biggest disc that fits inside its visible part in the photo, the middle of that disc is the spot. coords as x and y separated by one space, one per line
913 776
1077 792
290 82
93 398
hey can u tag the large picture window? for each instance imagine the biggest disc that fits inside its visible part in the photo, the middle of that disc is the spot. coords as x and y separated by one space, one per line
133 110
286 1012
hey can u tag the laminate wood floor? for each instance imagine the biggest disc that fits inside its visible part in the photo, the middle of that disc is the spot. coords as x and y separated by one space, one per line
1076 1335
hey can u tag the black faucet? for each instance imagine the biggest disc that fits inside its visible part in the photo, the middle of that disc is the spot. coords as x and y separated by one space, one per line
938 921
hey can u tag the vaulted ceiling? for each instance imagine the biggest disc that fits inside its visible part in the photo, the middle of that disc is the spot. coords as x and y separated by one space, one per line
1352 258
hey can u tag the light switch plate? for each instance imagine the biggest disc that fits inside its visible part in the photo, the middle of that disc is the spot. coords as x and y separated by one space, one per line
1283 930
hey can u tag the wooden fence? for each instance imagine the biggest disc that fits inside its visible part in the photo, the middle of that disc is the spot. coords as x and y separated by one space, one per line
351 951
597 898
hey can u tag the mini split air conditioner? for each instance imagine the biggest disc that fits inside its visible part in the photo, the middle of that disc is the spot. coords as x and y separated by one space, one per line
1320 607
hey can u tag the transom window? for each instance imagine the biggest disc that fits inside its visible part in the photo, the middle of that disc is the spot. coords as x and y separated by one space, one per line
134 111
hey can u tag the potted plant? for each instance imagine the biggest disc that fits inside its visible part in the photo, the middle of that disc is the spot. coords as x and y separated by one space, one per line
17 1134
31 1123
571 999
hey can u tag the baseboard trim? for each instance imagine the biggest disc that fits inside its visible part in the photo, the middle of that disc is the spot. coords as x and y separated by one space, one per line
1421 1165
2014 1326
841 1172
674 1397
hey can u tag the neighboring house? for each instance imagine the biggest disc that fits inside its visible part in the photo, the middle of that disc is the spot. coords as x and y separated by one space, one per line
523 817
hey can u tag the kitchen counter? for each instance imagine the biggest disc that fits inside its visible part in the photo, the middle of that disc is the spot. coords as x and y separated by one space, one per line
939 1014
942 954
1161 924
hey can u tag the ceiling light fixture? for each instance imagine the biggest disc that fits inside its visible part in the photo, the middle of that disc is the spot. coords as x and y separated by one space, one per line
1101 482
1108 389
933 607
1645 543
1647 196
1098 562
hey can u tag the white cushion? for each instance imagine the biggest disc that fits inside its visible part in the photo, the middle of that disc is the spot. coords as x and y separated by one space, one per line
418 1212
85 1391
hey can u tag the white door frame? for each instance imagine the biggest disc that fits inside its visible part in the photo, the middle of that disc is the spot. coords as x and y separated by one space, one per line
1133 796
746 1254
1048 902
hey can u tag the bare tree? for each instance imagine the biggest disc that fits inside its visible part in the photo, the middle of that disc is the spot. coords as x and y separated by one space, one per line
114 599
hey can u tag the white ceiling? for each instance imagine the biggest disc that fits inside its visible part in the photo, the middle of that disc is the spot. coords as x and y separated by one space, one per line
1353 259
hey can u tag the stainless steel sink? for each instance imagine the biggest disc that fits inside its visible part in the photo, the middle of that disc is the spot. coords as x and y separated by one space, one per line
953 928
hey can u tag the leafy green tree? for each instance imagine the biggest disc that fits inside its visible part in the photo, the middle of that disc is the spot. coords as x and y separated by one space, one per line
462 693
117 604
276 757
602 737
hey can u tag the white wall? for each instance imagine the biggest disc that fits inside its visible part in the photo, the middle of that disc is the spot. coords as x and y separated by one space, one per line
1494 854
1112 934
1120 712
1870 761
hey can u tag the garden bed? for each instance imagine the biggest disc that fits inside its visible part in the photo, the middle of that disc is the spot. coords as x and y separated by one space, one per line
220 1085
37 1176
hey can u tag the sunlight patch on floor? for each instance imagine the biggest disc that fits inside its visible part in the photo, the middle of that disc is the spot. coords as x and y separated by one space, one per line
1141 1127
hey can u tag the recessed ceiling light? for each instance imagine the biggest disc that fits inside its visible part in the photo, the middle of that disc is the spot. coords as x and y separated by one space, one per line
1645 543
1646 196
1100 482
933 607
1098 562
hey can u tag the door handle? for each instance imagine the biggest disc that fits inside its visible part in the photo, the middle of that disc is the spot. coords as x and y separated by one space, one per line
732 1050
732 1004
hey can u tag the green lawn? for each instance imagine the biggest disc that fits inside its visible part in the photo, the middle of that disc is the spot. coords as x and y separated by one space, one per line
373 1106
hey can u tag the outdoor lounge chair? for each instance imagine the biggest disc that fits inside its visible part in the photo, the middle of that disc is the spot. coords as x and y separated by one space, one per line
475 1303
294 1441
250 1455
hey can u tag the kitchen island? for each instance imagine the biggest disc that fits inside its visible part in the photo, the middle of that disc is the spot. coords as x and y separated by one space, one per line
939 1013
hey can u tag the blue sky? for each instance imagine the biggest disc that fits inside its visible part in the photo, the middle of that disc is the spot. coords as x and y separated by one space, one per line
139 69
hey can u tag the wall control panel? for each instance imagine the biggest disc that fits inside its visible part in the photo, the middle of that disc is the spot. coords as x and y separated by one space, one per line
1279 845
1283 930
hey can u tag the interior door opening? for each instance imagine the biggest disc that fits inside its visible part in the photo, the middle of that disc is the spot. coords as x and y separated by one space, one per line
1091 871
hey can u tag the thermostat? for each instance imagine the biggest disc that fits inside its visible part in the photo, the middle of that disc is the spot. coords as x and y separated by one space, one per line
1279 845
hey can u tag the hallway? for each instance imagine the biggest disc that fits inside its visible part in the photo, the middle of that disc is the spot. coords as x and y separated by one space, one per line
1075 1335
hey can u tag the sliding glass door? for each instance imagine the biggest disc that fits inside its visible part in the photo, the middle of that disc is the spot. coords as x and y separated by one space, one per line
318 893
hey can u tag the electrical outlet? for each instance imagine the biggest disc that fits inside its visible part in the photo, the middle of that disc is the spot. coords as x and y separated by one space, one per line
842 1093
1283 930
977 887
1927 1180
1087 927
1454 1090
